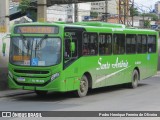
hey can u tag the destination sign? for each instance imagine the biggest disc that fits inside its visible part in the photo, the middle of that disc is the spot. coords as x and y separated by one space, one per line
21 58
36 30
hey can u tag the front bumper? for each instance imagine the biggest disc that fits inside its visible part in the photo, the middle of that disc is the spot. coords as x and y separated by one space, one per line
56 85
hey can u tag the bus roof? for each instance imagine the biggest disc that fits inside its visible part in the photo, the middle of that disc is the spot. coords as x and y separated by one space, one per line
90 25
100 24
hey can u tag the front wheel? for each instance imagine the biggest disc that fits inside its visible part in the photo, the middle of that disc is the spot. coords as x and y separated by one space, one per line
83 89
135 79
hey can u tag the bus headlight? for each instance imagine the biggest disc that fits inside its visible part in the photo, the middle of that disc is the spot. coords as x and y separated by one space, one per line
54 76
10 74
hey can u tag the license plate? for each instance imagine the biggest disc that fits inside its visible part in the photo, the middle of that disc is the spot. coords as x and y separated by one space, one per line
21 79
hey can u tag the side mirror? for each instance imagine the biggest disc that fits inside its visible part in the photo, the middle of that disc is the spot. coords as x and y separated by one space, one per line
4 49
4 43
72 47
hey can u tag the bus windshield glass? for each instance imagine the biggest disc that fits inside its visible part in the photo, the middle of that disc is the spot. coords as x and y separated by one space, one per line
35 51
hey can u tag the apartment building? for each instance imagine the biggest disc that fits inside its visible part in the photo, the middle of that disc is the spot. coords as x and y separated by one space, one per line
100 7
157 8
57 13
66 12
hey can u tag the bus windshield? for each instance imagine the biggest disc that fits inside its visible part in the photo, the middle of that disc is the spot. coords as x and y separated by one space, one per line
35 51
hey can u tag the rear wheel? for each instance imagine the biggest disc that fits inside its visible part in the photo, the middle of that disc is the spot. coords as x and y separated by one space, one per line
135 79
83 89
41 93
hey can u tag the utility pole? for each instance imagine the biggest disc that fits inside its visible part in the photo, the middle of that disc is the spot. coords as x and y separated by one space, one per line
106 10
132 13
124 12
143 19
75 12
42 8
4 16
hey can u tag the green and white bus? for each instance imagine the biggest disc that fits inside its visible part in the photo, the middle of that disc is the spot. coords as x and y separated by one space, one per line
75 57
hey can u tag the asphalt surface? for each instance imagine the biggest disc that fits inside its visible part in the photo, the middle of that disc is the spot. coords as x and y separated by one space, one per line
115 98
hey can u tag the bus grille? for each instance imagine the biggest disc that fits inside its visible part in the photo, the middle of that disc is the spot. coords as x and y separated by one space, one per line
31 72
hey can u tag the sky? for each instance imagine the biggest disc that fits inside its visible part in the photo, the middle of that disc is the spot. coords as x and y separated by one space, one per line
147 3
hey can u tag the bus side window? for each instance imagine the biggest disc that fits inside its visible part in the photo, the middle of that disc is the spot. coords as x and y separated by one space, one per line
144 43
90 43
139 44
105 44
85 44
119 44
130 44
151 44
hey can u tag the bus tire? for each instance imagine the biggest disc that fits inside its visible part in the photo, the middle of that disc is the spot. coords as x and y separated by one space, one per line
83 89
41 93
135 79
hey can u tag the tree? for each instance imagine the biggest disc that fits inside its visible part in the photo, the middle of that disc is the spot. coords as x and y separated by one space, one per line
25 7
94 14
147 23
153 16
134 11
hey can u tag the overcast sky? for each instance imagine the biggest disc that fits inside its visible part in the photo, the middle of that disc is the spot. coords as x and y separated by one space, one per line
147 3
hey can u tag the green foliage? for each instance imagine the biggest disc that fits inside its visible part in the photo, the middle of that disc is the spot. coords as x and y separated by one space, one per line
94 14
147 23
33 15
24 5
153 16
134 11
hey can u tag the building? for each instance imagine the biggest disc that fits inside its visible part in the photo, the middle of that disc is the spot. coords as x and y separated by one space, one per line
62 12
100 7
157 8
57 13
84 10
13 3
70 13
66 12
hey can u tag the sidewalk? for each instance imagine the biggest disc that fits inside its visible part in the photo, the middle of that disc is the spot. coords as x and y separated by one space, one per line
158 72
11 93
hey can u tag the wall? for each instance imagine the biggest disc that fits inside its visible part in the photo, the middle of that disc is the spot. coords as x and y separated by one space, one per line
4 64
4 25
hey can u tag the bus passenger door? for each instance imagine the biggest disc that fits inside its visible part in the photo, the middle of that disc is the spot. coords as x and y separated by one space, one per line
70 55
70 66
72 62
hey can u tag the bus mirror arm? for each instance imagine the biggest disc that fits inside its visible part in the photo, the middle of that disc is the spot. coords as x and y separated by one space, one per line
4 43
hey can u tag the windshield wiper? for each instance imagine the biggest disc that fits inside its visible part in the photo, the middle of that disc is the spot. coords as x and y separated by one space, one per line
40 42
23 40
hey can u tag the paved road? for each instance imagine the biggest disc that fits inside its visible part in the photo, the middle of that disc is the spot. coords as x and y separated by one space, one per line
144 98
